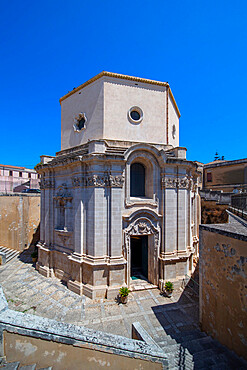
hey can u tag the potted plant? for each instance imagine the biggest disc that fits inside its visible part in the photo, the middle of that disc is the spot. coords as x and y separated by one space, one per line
169 288
124 292
34 256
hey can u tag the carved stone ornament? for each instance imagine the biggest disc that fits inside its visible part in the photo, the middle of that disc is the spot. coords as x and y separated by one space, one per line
105 180
47 183
143 226
63 192
180 182
77 181
116 181
80 122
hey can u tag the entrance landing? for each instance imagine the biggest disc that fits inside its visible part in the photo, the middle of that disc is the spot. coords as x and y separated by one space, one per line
140 283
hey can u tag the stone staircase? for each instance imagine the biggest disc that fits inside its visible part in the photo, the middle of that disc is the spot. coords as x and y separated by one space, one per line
196 350
17 366
8 254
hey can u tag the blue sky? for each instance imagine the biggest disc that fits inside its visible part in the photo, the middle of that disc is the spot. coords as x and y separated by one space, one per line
49 47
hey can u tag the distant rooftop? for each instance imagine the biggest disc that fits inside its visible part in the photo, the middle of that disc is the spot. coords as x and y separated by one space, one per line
221 162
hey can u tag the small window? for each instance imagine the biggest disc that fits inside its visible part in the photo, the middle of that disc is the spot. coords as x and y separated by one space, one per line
135 115
137 180
29 175
10 173
209 177
20 174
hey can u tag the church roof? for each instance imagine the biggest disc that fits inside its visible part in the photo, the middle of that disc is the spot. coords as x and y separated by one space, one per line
123 77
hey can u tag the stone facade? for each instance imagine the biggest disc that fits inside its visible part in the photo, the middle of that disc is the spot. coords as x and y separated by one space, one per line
89 218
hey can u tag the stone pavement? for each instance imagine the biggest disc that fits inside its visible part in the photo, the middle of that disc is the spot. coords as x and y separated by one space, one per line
28 291
172 322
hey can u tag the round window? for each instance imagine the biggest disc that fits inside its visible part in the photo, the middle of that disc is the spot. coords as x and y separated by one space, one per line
135 115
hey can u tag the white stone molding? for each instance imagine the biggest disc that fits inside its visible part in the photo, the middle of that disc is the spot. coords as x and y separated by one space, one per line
64 235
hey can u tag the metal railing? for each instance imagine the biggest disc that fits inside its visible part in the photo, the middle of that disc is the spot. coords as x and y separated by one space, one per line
189 282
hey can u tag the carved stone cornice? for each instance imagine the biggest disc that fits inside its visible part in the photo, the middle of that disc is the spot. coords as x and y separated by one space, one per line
176 182
47 183
99 180
116 181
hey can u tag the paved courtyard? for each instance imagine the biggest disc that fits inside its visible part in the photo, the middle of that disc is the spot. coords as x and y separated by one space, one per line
28 291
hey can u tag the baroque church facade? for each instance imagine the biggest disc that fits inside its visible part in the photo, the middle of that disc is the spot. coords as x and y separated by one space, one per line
119 201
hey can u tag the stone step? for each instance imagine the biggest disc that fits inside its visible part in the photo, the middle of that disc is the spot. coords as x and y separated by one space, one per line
16 366
197 350
11 365
9 253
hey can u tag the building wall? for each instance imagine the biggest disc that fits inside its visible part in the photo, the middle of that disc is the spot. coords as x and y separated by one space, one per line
19 220
88 100
15 179
226 177
120 96
223 273
106 103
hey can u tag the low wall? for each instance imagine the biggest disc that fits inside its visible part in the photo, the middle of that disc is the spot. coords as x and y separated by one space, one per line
19 220
223 273
36 340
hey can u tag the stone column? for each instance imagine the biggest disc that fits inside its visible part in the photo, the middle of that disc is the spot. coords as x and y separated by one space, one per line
78 221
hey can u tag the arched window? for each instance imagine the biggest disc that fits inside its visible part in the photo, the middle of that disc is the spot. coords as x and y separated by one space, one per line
137 180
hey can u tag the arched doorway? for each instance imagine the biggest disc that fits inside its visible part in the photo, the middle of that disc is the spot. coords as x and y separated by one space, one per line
142 244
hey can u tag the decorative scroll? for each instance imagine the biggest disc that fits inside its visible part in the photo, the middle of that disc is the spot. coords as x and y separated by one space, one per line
116 181
176 182
105 180
47 183
77 181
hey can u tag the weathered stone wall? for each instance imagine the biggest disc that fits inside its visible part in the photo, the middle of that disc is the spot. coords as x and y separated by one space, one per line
19 220
223 273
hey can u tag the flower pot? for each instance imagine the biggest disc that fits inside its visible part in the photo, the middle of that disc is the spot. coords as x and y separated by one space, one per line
168 294
124 299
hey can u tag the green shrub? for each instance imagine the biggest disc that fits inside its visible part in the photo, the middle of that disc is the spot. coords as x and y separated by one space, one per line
124 291
169 286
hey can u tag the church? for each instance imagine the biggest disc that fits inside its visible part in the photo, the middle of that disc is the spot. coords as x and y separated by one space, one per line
119 201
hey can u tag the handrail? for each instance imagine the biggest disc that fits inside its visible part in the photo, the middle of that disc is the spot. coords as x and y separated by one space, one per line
187 280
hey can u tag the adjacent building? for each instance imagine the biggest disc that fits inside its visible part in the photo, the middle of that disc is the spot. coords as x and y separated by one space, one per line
225 175
120 201
16 179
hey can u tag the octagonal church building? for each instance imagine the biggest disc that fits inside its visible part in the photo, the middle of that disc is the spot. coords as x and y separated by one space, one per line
119 202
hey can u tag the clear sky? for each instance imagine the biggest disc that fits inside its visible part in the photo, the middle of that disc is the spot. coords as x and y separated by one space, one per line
49 47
